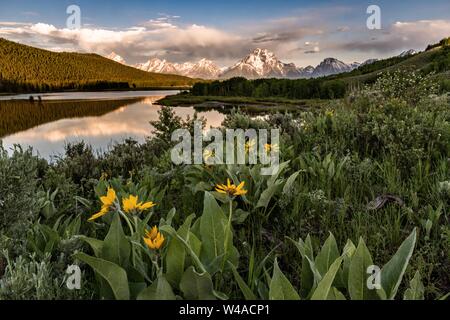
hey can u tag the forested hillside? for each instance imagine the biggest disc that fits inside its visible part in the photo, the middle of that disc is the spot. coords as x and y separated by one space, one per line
24 68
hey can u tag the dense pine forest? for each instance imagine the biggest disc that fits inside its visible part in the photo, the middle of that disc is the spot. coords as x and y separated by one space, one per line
291 89
26 69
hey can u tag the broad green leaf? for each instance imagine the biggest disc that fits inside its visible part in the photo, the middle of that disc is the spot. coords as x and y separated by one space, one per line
393 271
274 177
116 247
168 229
246 291
335 294
268 193
357 274
327 255
212 230
348 252
280 287
307 274
290 182
114 275
323 288
160 289
95 244
195 244
176 254
136 288
415 290
197 286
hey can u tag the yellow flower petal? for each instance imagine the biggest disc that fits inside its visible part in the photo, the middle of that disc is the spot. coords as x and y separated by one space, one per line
153 239
231 189
146 205
101 213
110 197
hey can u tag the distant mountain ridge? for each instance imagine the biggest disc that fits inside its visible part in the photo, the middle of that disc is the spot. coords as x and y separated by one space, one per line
260 63
205 69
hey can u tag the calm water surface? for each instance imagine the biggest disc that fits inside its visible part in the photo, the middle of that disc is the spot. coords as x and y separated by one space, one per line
120 118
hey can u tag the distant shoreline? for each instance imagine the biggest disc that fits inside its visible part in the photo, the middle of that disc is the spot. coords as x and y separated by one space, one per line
104 90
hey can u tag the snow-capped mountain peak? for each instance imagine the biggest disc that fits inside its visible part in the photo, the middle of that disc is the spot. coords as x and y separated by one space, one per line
205 69
331 66
407 53
115 57
261 63
157 65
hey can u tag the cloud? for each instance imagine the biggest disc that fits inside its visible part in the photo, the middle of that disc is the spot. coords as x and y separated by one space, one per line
314 50
398 36
292 38
343 29
158 36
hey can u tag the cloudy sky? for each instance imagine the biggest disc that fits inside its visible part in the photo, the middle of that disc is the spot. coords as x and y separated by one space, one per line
301 31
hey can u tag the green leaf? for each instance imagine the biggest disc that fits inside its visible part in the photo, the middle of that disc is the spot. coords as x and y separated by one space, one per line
114 275
246 291
268 193
176 254
323 288
357 274
348 252
415 290
197 286
136 288
274 177
280 287
327 255
393 271
290 182
116 247
168 229
335 294
160 289
307 277
212 231
95 244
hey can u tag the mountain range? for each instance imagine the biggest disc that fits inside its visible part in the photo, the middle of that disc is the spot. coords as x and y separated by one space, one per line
261 63
204 69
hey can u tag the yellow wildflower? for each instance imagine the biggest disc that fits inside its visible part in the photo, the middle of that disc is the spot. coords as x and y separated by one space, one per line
110 197
131 204
208 154
271 147
231 189
107 202
153 238
249 145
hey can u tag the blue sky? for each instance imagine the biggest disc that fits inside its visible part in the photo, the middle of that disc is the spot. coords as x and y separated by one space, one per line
298 31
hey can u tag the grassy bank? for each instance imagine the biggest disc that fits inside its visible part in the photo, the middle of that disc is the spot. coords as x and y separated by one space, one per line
188 99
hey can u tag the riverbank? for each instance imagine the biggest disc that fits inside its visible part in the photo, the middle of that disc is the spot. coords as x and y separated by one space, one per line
187 99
